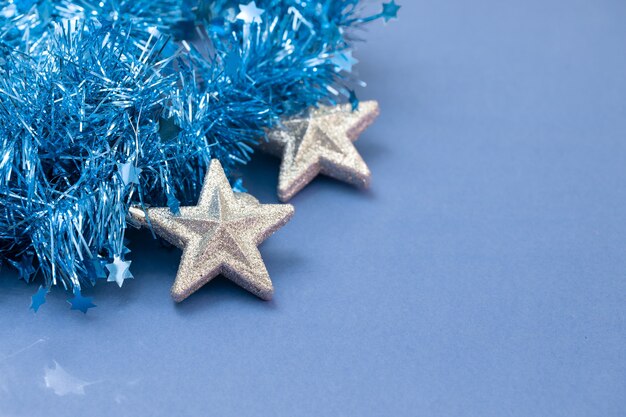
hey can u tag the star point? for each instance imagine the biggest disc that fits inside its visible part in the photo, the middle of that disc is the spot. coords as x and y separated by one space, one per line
321 143
219 236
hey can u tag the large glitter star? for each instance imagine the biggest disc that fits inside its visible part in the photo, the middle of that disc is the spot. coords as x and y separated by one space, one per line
219 236
321 143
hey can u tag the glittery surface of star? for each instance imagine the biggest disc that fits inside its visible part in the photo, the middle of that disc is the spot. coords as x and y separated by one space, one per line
39 298
118 270
250 13
321 142
129 173
80 303
390 10
219 236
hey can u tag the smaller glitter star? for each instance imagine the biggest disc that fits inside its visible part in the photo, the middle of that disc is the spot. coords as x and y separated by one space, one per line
118 270
129 173
321 142
80 303
38 298
250 13
219 236
390 10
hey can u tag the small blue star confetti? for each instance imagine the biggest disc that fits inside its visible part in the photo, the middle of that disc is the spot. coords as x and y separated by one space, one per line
129 173
238 186
232 63
38 298
344 61
250 13
80 303
95 269
390 10
25 266
118 270
168 129
173 203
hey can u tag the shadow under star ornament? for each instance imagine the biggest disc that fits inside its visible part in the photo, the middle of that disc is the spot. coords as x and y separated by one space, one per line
219 236
321 142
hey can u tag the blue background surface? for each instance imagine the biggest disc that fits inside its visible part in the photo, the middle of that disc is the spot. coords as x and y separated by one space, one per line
482 275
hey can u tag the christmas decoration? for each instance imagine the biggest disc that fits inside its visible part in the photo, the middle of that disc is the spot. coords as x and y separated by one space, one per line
108 104
219 236
321 142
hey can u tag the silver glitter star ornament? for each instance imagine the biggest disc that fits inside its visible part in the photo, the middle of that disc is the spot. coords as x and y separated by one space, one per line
321 142
219 236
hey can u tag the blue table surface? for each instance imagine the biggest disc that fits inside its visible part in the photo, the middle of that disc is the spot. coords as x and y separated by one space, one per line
484 273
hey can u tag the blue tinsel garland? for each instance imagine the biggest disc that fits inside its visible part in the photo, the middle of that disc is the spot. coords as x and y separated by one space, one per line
104 104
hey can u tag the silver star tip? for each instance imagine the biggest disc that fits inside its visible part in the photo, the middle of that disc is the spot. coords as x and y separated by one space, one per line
365 180
264 291
369 106
367 113
216 166
180 291
179 294
286 193
290 210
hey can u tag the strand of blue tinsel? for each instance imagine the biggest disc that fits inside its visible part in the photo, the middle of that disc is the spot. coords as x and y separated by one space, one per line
163 85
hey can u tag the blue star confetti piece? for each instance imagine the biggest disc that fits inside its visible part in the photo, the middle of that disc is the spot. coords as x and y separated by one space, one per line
232 63
80 303
238 186
250 13
344 61
390 10
168 129
24 5
353 100
129 173
118 270
25 266
95 269
173 204
38 298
